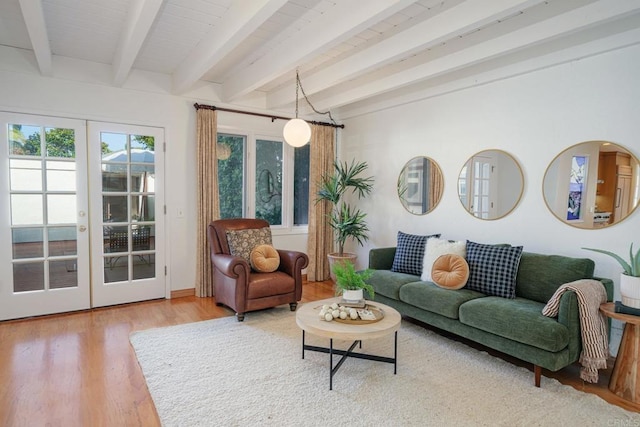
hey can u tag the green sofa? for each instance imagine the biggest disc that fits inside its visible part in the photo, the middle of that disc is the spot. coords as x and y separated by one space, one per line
512 326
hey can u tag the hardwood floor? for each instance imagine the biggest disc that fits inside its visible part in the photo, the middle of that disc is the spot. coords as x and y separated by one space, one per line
79 369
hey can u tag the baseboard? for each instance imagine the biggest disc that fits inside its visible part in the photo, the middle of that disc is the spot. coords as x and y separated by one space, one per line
183 293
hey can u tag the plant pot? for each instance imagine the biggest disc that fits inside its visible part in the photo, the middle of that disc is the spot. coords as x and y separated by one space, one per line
630 290
335 258
353 295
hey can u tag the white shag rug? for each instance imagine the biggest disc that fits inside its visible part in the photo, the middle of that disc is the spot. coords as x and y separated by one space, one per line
228 373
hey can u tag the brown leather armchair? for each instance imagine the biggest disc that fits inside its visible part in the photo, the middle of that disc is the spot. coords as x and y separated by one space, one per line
237 286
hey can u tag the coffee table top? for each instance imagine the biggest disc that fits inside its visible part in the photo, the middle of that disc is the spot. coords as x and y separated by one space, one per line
308 320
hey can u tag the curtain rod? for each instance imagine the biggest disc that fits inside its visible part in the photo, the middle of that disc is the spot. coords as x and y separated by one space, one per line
269 116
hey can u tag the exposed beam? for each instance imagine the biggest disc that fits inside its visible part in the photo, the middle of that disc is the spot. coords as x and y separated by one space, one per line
448 24
558 26
141 16
345 19
239 22
34 19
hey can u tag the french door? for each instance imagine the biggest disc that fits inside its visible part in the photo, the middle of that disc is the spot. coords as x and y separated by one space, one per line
44 238
81 214
127 213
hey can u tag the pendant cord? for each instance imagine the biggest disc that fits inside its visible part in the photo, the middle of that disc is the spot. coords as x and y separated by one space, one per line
299 85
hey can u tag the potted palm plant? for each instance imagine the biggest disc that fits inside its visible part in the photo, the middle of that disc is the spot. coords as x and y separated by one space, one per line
351 283
346 221
630 277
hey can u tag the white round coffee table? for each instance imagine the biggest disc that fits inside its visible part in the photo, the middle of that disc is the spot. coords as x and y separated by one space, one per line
308 319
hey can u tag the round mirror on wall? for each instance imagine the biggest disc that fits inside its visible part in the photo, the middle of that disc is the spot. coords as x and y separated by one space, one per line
420 185
490 184
593 184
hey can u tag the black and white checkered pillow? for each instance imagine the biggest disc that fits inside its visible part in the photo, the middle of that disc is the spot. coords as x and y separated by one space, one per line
493 269
410 253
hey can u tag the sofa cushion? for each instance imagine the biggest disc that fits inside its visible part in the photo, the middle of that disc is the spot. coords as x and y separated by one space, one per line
388 283
435 248
241 242
540 275
410 253
428 296
493 269
450 271
516 319
264 259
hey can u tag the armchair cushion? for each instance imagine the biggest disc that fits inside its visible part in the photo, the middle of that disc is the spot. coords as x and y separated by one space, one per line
242 242
265 259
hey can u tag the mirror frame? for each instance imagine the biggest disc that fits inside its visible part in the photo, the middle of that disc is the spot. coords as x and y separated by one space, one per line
591 201
516 165
421 187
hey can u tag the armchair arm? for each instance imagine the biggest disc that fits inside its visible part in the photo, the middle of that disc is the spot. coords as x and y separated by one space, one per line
381 258
230 265
292 262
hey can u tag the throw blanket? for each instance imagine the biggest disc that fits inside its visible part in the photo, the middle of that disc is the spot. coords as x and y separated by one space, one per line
593 324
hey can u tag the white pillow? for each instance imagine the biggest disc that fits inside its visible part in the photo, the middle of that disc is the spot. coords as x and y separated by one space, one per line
437 247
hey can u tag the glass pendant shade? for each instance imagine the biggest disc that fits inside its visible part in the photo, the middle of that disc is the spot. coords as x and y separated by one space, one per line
297 132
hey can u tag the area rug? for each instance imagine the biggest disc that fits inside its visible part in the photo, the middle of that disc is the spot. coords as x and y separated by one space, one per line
227 373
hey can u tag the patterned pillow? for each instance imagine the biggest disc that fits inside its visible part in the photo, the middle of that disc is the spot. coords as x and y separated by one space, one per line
493 269
410 253
242 242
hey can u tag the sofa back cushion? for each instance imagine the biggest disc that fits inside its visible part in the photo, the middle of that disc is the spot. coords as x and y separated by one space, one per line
540 275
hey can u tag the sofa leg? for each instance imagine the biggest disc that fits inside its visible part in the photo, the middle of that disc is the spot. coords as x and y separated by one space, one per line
537 373
293 306
240 316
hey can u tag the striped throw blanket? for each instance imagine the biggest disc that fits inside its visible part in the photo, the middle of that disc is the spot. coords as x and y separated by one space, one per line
593 324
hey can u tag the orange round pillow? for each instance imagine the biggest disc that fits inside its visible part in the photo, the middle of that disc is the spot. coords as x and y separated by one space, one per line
450 271
264 259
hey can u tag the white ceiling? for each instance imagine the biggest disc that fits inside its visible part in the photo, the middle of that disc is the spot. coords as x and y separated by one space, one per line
352 55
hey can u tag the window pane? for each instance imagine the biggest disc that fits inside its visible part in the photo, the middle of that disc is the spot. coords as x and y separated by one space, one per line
60 142
63 274
24 140
143 208
28 276
114 179
144 266
27 243
230 152
61 176
26 209
26 175
301 186
269 181
114 209
62 241
114 147
61 208
142 149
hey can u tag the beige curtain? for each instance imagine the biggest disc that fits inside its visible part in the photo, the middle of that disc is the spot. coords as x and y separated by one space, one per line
208 202
322 156
436 185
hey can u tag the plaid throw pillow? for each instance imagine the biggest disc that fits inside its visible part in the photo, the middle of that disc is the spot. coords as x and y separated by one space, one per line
410 253
493 269
242 242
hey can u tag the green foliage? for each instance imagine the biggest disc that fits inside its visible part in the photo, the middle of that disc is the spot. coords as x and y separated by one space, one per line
346 221
60 142
147 142
631 268
348 279
230 177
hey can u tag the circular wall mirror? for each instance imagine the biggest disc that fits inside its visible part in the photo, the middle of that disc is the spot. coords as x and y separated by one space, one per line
490 184
420 185
593 184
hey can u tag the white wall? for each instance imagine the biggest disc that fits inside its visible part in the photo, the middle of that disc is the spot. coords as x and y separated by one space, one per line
83 90
533 117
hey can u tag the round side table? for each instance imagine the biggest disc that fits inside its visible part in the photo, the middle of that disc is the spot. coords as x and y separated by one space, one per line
625 378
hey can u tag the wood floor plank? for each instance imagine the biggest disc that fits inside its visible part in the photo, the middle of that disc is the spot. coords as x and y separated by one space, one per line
79 369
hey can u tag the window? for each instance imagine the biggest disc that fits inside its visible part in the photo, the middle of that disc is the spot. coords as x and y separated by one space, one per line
274 187
576 187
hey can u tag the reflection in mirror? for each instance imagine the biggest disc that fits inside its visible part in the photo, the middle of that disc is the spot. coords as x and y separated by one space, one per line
593 184
420 185
490 184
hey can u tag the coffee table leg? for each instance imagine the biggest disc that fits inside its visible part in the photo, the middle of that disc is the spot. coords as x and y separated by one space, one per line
330 364
303 343
395 353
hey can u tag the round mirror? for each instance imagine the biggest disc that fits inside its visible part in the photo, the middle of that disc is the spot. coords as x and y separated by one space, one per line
593 184
490 184
420 185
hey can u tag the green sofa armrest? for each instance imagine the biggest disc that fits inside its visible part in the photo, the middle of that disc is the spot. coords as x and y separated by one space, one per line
381 258
608 286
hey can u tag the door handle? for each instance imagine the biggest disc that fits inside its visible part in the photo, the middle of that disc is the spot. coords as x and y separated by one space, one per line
82 228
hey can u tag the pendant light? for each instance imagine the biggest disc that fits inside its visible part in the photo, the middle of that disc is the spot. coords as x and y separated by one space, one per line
297 132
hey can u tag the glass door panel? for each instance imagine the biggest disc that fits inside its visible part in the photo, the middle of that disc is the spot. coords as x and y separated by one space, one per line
45 194
125 186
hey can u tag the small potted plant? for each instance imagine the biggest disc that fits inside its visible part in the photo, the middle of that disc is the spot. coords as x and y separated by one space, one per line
630 277
351 283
